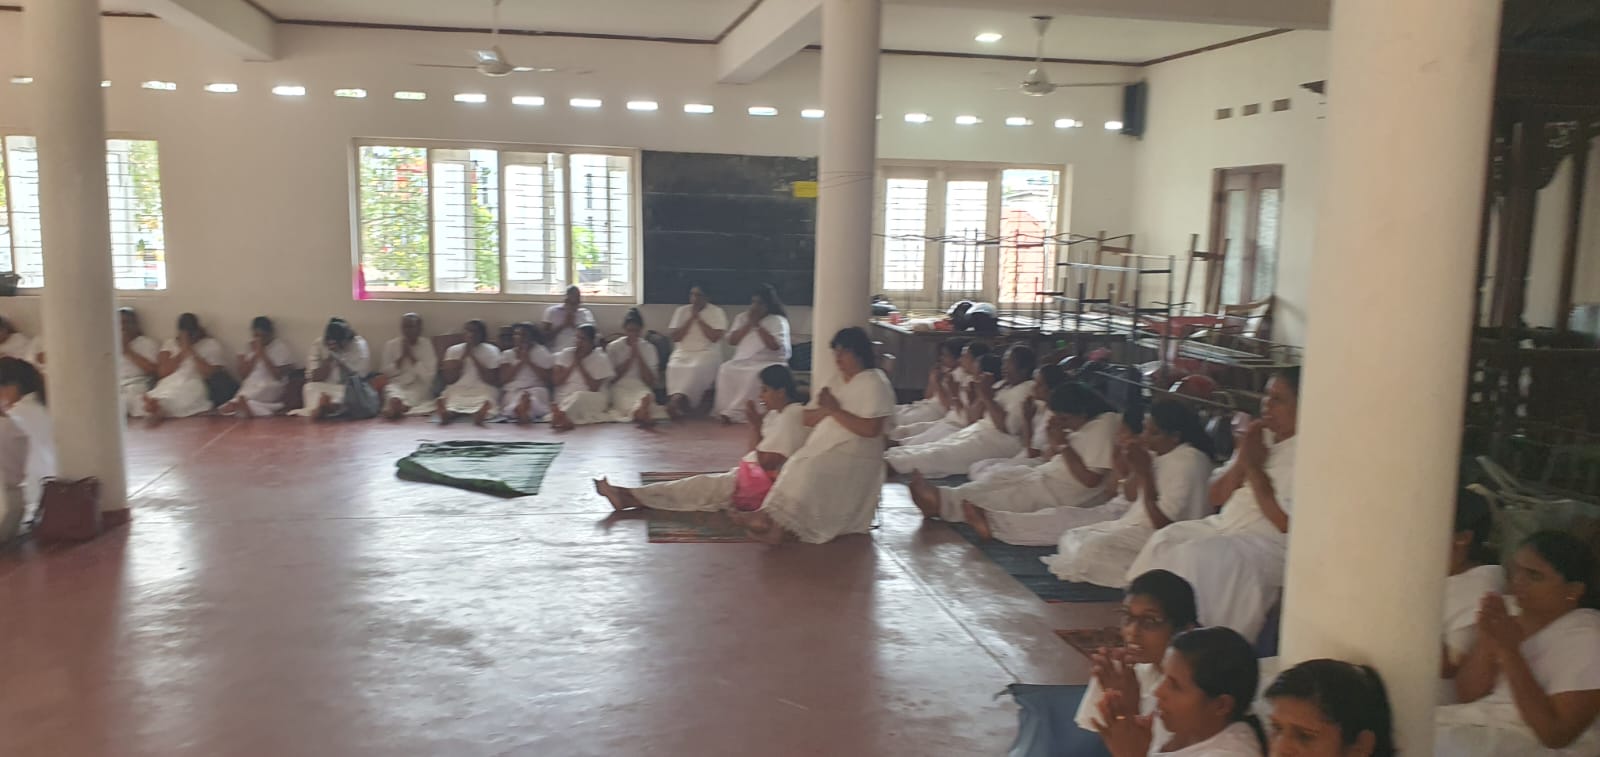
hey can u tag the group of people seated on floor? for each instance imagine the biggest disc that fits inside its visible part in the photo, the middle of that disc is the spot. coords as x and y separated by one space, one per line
1133 500
559 369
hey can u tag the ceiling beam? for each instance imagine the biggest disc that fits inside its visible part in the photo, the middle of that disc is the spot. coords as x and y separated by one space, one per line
238 26
1275 14
768 34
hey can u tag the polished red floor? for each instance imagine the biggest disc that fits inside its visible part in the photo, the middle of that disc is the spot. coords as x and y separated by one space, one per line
281 593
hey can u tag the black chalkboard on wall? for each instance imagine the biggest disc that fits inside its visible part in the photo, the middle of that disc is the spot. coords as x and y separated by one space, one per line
731 222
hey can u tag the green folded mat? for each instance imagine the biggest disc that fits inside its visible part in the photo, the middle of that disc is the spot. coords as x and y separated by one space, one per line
504 469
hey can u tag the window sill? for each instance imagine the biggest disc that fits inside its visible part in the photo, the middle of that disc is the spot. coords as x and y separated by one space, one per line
493 299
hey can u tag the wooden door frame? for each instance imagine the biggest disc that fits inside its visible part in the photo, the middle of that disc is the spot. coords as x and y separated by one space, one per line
1260 176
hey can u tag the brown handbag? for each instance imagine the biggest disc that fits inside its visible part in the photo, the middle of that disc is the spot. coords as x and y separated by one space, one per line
69 511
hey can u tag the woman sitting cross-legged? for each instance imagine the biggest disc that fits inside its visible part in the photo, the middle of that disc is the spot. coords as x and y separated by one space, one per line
1235 559
138 364
1208 682
525 376
832 484
265 369
697 330
759 337
340 356
634 361
1530 687
1036 445
186 362
775 436
1034 506
1167 471
472 377
931 407
1329 708
410 365
581 375
997 435
958 390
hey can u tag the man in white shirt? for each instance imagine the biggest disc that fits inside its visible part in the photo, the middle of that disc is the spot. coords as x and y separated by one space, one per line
561 322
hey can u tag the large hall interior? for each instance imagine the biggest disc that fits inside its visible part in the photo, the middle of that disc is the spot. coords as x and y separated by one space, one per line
799 377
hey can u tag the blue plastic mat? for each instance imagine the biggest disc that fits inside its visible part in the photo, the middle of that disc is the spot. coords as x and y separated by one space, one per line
1023 564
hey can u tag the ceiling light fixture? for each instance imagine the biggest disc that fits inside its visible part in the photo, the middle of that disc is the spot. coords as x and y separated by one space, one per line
1068 123
472 98
588 103
289 90
1113 126
406 94
968 120
644 106
918 118
1019 121
352 93
762 111
699 108
528 101
22 80
221 88
105 83
812 113
160 86
989 38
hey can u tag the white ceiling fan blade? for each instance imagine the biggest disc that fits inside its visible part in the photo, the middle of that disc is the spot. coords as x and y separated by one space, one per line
491 55
445 65
1094 84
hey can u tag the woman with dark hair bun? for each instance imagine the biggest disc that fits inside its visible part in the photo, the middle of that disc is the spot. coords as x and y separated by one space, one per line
777 431
471 372
265 370
760 337
1164 473
581 375
185 362
340 354
1329 708
1235 559
831 486
1209 680
1531 683
635 362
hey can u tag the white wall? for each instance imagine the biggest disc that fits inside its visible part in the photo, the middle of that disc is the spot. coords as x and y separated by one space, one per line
257 189
1184 143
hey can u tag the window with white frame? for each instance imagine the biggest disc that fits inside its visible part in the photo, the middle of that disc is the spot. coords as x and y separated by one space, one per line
952 231
133 188
498 222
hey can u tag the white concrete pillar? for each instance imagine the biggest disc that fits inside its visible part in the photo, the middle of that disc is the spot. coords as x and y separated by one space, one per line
1409 96
850 49
78 307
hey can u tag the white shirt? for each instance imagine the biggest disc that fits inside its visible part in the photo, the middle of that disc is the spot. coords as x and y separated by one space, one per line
866 395
1462 594
207 349
28 418
561 336
783 432
619 350
18 346
355 357
1183 478
596 363
695 340
487 354
1012 399
1241 512
422 370
1237 740
525 377
278 354
142 346
1148 675
753 348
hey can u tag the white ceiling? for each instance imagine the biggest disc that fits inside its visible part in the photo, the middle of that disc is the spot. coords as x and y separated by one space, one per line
908 25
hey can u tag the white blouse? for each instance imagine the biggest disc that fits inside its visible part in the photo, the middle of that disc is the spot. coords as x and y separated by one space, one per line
525 376
487 354
619 350
1012 398
207 349
142 346
753 348
695 340
1241 512
866 395
1237 740
596 363
561 336
1183 477
784 432
355 357
278 354
423 369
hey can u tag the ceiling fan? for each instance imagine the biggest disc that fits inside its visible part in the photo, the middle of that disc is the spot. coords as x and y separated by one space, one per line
492 61
1037 83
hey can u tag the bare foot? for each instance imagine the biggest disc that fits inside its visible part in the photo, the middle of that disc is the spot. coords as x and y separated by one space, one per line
643 416
441 412
675 405
524 411
243 408
978 520
395 409
481 418
228 408
924 494
559 420
323 409
152 412
620 498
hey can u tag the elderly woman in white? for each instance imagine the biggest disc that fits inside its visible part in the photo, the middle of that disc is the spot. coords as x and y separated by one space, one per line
265 369
997 435
472 377
186 361
137 365
831 486
697 330
1235 559
341 354
582 374
634 362
525 376
760 337
410 364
